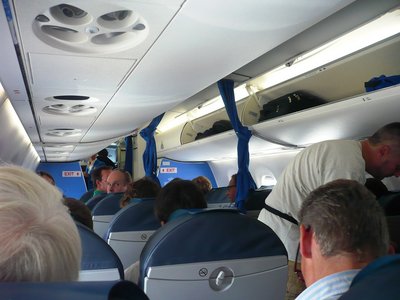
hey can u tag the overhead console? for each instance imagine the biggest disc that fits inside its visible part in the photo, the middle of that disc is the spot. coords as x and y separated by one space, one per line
346 110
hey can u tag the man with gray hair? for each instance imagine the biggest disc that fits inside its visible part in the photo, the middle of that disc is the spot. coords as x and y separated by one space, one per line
342 229
39 239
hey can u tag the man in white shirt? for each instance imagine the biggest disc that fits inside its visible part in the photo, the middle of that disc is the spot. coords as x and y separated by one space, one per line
342 229
379 155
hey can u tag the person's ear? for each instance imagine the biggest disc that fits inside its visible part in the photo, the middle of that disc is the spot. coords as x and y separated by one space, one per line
306 236
383 151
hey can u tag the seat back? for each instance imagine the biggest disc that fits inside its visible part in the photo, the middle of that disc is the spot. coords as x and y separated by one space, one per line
91 203
120 290
255 201
394 231
130 229
86 196
99 261
217 198
378 280
104 212
215 254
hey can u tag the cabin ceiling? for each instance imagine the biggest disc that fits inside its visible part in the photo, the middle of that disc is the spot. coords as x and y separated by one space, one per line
95 71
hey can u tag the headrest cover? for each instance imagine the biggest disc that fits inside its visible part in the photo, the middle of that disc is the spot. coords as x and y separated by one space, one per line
210 235
135 217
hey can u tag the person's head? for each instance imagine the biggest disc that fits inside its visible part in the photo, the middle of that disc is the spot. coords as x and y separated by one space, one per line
103 153
179 194
341 222
117 181
142 188
203 183
382 155
79 212
99 177
39 239
231 192
47 176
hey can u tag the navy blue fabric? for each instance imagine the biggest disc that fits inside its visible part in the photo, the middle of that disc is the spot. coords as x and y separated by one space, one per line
378 280
96 253
109 205
93 202
256 199
217 195
86 196
135 217
381 82
128 155
220 234
96 290
150 153
244 180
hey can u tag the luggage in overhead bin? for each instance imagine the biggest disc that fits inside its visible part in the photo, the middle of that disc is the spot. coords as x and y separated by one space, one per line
289 103
218 127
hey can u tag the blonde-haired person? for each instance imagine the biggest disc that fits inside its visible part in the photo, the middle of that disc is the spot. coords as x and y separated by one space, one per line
39 240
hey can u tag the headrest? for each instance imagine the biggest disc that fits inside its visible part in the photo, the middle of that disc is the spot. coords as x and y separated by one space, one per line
210 235
96 253
109 205
378 280
93 202
217 195
256 199
96 290
135 217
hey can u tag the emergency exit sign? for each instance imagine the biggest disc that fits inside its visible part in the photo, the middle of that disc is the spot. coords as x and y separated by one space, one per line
71 173
169 170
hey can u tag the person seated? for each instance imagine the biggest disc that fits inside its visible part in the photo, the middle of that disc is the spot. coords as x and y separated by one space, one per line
203 183
142 188
79 212
177 194
39 239
47 176
99 177
342 229
231 192
117 181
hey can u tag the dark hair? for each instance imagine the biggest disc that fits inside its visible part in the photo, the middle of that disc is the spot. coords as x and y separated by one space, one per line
79 212
203 183
96 173
388 133
142 188
48 175
346 218
179 194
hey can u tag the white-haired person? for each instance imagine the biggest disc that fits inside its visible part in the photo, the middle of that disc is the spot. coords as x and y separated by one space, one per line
39 239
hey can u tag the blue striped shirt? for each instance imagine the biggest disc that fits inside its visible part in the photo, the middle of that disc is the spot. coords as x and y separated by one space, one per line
330 287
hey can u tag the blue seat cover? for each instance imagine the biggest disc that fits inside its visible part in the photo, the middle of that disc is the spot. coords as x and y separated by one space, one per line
96 253
209 235
98 290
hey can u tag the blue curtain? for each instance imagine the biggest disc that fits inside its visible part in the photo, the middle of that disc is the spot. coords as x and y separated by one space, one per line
150 154
128 155
245 181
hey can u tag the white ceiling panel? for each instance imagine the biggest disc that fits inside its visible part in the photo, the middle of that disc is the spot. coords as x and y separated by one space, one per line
138 59
206 41
77 72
